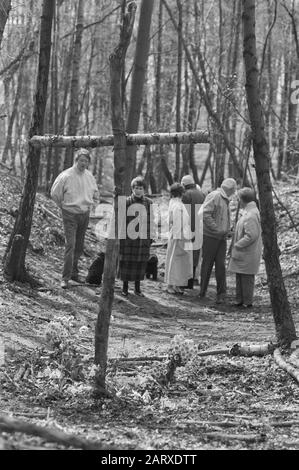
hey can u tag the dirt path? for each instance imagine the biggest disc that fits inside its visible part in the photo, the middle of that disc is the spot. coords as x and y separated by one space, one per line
206 408
216 402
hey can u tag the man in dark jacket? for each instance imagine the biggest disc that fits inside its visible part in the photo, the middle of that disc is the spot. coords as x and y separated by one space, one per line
193 199
216 227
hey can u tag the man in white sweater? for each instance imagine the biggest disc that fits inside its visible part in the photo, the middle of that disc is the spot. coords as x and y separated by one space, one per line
75 191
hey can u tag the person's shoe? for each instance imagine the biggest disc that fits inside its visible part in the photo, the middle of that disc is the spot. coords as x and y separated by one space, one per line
138 292
64 284
220 299
238 304
179 290
170 290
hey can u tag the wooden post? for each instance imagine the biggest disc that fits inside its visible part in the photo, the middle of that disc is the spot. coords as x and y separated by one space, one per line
117 60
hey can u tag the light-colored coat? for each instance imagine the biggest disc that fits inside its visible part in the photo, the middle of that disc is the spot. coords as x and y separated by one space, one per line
74 191
179 258
216 214
247 247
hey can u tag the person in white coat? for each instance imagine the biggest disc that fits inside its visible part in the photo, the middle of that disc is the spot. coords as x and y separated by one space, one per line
179 257
247 248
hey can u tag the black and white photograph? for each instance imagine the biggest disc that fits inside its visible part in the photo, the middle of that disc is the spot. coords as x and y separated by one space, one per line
149 229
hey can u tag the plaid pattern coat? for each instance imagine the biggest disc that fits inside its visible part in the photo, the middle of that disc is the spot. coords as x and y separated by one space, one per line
134 250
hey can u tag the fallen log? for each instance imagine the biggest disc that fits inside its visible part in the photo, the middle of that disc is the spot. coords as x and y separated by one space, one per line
213 352
239 437
11 425
279 360
67 141
137 359
235 350
252 350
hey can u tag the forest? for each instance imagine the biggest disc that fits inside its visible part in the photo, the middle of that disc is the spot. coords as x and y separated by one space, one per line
159 89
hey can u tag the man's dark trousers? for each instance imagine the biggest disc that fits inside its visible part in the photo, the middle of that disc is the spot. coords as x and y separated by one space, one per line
213 251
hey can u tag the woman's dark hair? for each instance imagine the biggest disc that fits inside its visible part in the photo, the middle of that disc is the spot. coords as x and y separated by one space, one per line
176 190
138 181
247 195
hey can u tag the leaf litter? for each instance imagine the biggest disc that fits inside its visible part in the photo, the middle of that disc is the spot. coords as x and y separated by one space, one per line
213 402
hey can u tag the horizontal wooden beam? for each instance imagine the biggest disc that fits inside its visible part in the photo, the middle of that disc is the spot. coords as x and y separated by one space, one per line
196 137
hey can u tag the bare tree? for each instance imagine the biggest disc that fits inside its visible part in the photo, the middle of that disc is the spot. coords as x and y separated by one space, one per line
138 78
17 245
117 61
75 81
284 324
178 89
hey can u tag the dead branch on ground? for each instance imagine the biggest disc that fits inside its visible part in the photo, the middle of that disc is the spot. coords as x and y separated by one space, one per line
280 361
12 425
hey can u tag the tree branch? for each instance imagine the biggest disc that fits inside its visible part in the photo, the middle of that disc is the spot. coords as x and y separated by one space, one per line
12 425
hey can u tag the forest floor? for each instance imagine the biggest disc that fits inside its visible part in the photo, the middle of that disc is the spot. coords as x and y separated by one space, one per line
215 402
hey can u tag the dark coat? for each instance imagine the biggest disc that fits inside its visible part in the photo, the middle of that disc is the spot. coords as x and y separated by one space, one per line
134 253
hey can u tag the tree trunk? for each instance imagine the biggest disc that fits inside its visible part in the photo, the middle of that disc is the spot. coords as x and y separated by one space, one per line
66 76
159 150
137 84
195 137
75 82
283 119
117 60
285 328
4 12
220 150
52 163
178 89
147 153
8 143
56 32
24 219
291 156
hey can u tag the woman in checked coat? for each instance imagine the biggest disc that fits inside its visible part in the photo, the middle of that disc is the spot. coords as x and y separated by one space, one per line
134 249
247 248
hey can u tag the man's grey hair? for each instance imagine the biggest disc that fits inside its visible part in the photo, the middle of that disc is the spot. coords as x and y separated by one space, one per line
80 152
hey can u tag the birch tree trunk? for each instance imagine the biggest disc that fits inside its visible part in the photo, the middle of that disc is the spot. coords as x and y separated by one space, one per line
138 78
196 137
14 259
75 82
285 328
117 61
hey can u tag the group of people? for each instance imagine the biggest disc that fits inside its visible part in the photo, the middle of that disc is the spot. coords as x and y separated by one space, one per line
214 224
199 226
